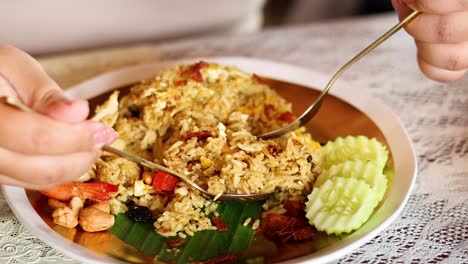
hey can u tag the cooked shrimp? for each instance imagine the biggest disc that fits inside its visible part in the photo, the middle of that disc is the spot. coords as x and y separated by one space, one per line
67 216
54 204
99 191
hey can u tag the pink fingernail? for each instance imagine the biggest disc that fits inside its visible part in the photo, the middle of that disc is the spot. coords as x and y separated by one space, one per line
66 102
104 135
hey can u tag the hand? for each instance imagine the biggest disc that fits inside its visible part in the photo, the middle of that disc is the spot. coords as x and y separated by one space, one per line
55 145
441 35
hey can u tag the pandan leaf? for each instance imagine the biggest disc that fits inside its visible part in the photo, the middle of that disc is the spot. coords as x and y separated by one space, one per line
203 245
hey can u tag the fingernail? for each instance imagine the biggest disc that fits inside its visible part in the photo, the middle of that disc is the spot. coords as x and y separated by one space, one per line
104 135
57 105
68 102
65 101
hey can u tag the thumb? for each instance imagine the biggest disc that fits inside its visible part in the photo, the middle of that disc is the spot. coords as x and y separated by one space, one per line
401 8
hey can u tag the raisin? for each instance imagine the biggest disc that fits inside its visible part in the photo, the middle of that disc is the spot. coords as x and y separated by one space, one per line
140 214
312 166
310 160
168 134
134 110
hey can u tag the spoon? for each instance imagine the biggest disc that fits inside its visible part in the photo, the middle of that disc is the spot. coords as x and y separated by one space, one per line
314 108
198 189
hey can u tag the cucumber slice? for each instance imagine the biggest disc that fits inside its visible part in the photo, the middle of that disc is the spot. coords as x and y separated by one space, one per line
389 172
354 148
368 171
340 206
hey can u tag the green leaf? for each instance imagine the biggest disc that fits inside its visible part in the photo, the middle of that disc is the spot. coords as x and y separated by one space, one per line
251 211
203 245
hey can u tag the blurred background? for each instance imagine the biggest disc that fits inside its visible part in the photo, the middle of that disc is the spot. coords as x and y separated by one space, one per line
51 26
279 12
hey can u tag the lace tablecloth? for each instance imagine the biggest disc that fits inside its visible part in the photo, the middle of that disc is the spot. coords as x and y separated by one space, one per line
433 228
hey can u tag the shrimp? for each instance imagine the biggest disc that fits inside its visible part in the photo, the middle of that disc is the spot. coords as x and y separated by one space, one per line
98 191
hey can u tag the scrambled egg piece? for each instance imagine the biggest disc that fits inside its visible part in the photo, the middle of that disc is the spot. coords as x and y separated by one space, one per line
117 170
140 189
108 112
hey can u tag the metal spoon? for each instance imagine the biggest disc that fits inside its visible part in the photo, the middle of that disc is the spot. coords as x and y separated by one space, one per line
314 108
199 190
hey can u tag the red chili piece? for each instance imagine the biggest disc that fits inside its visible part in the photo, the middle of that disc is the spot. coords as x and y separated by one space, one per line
287 117
180 83
175 242
199 135
193 71
267 109
164 182
220 224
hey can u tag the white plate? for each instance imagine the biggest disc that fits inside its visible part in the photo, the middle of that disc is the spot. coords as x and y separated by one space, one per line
392 129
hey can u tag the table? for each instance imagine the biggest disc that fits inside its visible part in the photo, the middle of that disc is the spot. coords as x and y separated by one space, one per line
433 227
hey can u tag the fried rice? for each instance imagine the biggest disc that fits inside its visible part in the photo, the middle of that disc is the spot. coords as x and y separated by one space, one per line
201 120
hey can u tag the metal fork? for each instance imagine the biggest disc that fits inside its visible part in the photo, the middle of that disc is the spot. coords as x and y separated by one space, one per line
198 189
315 107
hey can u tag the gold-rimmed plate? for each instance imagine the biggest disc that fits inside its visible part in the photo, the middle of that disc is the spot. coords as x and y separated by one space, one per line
347 111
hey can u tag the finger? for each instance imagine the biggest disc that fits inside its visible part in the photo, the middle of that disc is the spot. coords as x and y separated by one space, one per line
401 8
68 111
32 133
438 6
45 170
451 28
5 180
36 89
5 88
453 57
439 74
27 77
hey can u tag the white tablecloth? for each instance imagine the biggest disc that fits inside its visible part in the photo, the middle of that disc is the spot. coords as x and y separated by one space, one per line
433 227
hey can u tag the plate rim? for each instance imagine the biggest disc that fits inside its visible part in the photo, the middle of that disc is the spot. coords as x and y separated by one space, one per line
392 129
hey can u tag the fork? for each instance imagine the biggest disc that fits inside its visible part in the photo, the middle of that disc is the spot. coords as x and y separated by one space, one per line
315 106
149 164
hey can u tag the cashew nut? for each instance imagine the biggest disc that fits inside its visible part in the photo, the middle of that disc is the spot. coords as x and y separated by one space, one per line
102 206
94 220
